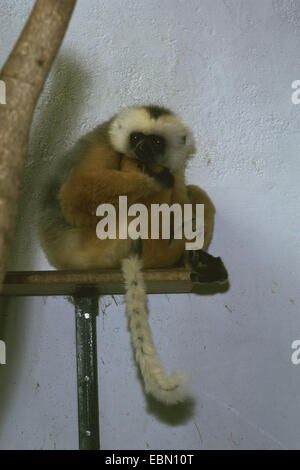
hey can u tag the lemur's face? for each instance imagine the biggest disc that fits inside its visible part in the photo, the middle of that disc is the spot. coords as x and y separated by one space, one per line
147 147
151 133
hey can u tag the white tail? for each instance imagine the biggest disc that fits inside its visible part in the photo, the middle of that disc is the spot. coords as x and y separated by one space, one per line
168 389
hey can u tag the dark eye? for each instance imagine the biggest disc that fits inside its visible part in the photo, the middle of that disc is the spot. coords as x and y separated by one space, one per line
184 139
136 137
158 141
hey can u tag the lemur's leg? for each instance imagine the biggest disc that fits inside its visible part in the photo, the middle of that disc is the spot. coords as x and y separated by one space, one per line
81 249
204 267
90 184
159 253
197 195
162 253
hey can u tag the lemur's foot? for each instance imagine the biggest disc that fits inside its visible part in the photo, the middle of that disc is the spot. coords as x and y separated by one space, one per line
206 268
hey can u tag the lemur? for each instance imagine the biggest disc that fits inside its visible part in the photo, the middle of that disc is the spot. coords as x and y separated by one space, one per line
140 152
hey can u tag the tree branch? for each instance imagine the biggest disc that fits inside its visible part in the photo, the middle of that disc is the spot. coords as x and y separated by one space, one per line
24 75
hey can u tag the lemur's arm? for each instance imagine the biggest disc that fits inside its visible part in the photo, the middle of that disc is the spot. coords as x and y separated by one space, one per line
94 181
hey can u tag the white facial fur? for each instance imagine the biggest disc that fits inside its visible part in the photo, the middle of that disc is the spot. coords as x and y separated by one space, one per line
170 126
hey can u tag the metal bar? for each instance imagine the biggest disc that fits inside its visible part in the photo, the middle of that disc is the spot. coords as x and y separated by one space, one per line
86 311
158 281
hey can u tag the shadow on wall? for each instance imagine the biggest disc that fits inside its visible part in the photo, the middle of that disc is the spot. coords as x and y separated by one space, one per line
56 118
61 105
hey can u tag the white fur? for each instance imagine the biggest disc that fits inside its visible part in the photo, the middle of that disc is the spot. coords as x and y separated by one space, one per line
168 389
137 119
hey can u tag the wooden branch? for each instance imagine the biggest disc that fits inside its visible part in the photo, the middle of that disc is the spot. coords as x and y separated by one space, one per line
158 281
24 75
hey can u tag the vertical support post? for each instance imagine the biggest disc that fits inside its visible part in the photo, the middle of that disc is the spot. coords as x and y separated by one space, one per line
86 311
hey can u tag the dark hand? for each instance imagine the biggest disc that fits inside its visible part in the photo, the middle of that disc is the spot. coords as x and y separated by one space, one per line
161 174
206 268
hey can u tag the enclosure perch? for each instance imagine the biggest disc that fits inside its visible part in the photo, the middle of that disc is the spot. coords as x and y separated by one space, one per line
159 281
24 74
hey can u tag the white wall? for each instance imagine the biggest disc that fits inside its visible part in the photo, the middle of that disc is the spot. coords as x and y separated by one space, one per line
226 67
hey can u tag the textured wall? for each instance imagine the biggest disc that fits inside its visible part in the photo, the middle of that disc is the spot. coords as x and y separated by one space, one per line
226 67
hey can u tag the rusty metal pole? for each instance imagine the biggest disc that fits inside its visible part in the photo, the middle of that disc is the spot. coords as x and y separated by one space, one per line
86 311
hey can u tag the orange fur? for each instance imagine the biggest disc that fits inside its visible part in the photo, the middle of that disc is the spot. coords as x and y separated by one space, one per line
100 177
95 173
97 179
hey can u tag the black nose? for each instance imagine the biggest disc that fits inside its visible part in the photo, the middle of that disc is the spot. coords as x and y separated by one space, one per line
145 146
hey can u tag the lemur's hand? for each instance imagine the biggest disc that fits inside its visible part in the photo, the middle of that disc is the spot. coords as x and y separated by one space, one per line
206 268
160 173
129 164
151 182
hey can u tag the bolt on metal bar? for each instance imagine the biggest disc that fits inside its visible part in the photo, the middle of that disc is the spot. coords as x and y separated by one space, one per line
86 311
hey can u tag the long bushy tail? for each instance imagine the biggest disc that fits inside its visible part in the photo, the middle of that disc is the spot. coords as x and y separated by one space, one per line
168 389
